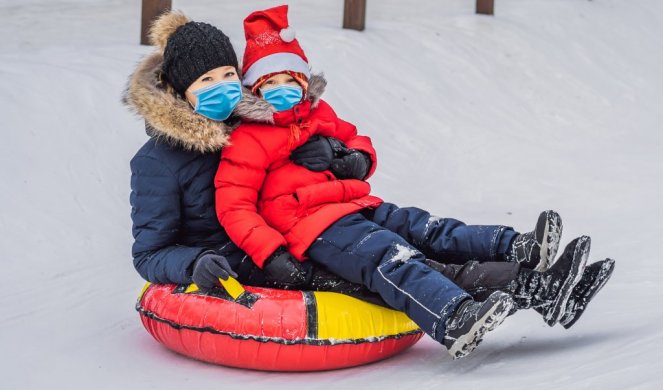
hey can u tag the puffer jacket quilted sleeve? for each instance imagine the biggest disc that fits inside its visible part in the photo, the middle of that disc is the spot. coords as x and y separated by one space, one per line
238 181
156 215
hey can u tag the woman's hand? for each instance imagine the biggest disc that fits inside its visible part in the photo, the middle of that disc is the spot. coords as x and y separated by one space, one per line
354 165
318 152
208 268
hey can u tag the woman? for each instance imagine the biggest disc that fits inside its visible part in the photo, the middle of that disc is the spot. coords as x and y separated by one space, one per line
178 238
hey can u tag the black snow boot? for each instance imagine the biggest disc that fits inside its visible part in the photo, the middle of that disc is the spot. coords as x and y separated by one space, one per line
479 279
537 249
596 275
468 324
567 271
533 289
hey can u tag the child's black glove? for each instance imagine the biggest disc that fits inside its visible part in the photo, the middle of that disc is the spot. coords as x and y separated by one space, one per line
208 268
284 271
318 152
355 165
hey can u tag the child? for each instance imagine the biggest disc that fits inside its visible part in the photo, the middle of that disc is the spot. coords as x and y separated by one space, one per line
269 206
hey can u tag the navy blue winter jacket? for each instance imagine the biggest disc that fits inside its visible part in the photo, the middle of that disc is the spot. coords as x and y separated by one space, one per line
172 176
172 208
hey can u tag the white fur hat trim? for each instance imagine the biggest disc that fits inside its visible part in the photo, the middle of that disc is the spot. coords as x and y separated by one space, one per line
277 62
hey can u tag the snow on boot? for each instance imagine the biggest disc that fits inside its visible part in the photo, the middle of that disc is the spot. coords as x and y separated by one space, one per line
467 326
571 264
596 275
536 289
537 249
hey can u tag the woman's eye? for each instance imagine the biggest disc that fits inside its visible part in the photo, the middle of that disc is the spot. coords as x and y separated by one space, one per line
207 78
229 74
269 82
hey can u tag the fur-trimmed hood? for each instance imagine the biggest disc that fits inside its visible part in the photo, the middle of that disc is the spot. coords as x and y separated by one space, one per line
170 117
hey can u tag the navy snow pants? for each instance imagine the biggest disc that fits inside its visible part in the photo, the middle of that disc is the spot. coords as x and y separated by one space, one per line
384 249
362 251
445 240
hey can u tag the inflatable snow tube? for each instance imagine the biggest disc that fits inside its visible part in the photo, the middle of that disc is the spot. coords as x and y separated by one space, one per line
273 330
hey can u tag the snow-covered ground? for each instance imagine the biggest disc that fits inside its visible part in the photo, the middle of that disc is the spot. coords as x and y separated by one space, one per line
550 104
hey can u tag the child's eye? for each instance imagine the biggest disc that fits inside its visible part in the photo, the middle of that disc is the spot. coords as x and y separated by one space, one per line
229 74
269 82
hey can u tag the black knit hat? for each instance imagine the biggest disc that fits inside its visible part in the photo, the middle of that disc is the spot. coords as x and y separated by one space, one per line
192 50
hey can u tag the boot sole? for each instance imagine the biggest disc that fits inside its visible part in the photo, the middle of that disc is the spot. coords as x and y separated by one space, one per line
550 243
558 306
465 344
569 319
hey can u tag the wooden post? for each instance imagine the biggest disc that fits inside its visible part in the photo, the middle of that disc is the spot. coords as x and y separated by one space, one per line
354 15
486 7
151 9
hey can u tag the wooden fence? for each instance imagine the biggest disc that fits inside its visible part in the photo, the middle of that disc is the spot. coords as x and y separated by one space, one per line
354 14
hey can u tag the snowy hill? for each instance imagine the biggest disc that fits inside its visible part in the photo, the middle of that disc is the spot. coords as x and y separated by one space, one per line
549 104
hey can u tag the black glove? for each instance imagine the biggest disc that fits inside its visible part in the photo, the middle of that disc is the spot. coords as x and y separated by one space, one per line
318 152
208 268
352 166
285 272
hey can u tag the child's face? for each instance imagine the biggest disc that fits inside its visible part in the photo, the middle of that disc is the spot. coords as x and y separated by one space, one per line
223 73
279 79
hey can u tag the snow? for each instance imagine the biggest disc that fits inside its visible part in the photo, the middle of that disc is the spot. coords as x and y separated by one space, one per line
549 104
402 254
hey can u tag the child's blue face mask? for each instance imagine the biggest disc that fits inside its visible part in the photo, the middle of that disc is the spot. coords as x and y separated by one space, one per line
218 100
283 97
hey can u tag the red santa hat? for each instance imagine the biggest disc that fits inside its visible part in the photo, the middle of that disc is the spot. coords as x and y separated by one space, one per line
271 46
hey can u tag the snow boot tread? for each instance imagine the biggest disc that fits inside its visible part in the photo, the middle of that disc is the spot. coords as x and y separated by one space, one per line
575 254
472 320
593 279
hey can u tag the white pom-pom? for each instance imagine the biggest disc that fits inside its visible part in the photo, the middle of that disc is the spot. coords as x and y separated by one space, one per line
287 34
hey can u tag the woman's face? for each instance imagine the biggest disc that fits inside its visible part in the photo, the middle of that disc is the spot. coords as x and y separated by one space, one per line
223 73
279 79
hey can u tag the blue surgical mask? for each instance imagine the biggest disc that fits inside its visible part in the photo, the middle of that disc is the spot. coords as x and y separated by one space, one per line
218 100
283 97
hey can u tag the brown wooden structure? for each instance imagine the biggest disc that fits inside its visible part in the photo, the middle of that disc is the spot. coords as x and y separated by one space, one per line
151 9
354 15
486 7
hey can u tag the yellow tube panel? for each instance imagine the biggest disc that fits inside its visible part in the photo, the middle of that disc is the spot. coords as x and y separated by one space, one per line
341 317
145 287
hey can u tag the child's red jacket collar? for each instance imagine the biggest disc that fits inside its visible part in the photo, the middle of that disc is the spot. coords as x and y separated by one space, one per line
296 115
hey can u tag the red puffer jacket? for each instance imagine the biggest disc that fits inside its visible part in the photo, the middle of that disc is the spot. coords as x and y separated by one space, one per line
264 200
